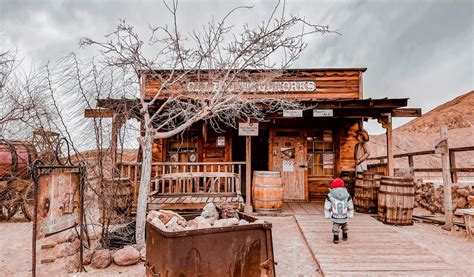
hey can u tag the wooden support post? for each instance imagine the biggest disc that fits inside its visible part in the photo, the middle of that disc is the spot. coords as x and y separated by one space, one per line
389 149
248 178
452 164
386 121
442 148
411 165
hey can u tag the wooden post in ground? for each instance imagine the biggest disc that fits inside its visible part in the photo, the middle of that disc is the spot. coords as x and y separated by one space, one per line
442 148
452 164
248 175
386 121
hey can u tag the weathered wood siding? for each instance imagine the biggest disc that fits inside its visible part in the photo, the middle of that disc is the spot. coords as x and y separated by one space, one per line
330 84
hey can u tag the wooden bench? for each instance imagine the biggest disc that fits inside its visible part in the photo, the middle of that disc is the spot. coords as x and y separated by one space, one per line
467 213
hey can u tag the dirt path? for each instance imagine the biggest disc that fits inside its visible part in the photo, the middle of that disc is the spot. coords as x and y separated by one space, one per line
291 252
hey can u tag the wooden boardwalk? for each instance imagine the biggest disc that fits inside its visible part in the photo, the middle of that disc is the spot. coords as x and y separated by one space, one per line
373 249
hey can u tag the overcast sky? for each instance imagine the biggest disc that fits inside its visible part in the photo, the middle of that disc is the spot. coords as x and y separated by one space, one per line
418 49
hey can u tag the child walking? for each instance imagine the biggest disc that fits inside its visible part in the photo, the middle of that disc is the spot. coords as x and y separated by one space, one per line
338 207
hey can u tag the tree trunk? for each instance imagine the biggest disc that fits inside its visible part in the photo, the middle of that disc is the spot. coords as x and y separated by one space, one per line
147 155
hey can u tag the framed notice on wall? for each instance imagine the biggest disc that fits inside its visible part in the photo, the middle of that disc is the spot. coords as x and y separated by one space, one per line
248 129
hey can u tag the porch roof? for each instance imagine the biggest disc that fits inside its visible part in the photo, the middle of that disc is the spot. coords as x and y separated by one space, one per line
368 106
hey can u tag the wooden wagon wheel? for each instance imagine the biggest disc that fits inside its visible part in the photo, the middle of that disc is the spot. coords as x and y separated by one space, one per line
28 201
11 202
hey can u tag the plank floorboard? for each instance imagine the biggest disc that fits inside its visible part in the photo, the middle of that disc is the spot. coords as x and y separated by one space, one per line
373 249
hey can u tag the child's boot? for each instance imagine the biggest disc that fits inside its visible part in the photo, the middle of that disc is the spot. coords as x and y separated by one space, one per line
336 239
344 236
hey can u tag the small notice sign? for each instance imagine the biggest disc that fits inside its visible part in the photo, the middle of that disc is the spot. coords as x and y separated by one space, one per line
292 113
323 113
220 141
248 129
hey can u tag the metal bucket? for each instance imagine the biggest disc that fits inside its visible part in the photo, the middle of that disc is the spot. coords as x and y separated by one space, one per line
243 250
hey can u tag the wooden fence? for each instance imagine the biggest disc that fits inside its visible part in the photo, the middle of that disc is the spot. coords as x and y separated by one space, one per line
380 166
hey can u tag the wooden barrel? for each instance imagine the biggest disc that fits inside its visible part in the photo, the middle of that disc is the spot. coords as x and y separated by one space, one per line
15 159
396 200
267 191
365 195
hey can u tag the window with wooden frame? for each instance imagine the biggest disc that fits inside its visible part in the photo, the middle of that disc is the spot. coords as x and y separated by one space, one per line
183 147
321 153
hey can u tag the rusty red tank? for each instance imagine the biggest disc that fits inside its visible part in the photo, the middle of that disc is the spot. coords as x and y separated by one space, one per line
15 159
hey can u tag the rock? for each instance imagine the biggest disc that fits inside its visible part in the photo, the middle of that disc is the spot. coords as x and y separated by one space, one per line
461 202
87 256
158 223
243 222
175 224
126 256
139 246
143 254
226 222
210 213
65 249
101 259
198 223
71 264
226 211
470 199
164 215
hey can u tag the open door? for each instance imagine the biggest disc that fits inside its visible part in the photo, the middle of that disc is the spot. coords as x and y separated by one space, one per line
289 157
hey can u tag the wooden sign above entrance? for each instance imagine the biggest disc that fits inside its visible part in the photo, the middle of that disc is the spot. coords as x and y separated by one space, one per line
248 129
323 113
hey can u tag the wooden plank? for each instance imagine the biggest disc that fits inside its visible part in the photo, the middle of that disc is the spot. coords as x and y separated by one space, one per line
406 112
98 113
296 207
372 249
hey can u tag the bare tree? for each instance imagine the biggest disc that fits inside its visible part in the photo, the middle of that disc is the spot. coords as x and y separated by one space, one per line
220 56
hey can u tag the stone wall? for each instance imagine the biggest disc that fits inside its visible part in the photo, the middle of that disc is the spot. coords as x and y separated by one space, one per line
431 196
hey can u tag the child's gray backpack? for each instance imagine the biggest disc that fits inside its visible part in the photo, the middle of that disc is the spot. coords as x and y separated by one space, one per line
339 207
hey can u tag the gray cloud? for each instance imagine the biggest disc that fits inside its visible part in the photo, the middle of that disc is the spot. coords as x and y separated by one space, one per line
417 49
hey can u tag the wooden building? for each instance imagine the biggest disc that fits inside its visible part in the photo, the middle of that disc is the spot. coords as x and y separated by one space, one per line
309 147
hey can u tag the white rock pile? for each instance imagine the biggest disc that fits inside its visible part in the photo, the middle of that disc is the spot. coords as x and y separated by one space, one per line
211 216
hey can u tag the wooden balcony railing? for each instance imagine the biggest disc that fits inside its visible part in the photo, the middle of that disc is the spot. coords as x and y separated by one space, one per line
170 178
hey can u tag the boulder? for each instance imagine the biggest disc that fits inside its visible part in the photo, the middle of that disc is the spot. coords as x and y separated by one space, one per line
461 202
65 249
226 222
164 215
87 256
143 254
243 222
101 259
210 213
126 256
158 223
226 211
198 223
175 224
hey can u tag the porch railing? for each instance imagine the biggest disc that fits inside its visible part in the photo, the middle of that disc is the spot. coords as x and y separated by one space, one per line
168 178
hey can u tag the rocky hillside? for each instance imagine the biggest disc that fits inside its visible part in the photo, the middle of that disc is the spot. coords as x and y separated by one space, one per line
456 114
421 133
